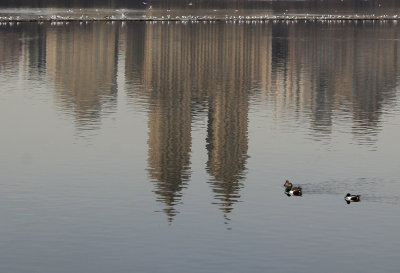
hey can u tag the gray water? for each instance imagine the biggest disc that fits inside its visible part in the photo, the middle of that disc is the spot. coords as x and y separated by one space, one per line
163 147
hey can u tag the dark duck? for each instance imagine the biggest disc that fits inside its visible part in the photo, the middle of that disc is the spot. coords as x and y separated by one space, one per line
290 190
351 198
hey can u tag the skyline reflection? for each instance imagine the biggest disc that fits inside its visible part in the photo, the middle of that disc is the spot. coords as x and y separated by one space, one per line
316 73
81 62
167 88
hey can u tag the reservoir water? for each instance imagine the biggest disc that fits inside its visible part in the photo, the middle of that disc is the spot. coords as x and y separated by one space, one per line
164 146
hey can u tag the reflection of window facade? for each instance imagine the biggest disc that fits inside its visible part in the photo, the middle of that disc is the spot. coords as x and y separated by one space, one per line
82 62
186 68
216 67
329 68
10 46
243 59
166 80
181 70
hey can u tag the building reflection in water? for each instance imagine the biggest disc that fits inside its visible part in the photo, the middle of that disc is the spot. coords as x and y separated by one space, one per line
165 80
236 60
11 44
306 71
331 70
81 61
319 74
192 69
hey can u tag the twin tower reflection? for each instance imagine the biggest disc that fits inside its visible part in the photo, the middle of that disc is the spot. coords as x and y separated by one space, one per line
180 70
183 74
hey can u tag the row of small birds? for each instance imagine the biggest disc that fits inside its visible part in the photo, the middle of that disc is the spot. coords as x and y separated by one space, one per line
298 191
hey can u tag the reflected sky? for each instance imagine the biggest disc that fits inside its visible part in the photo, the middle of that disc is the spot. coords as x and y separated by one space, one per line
318 81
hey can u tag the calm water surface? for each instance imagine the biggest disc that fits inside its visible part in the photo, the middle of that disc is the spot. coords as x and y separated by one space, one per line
163 147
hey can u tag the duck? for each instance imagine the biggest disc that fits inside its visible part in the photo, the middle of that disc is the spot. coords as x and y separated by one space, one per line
352 198
290 190
297 191
288 186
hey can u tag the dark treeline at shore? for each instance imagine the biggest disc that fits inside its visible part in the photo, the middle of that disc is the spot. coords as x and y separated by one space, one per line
348 5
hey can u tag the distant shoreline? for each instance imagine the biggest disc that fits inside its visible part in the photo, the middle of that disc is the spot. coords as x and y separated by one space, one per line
202 19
